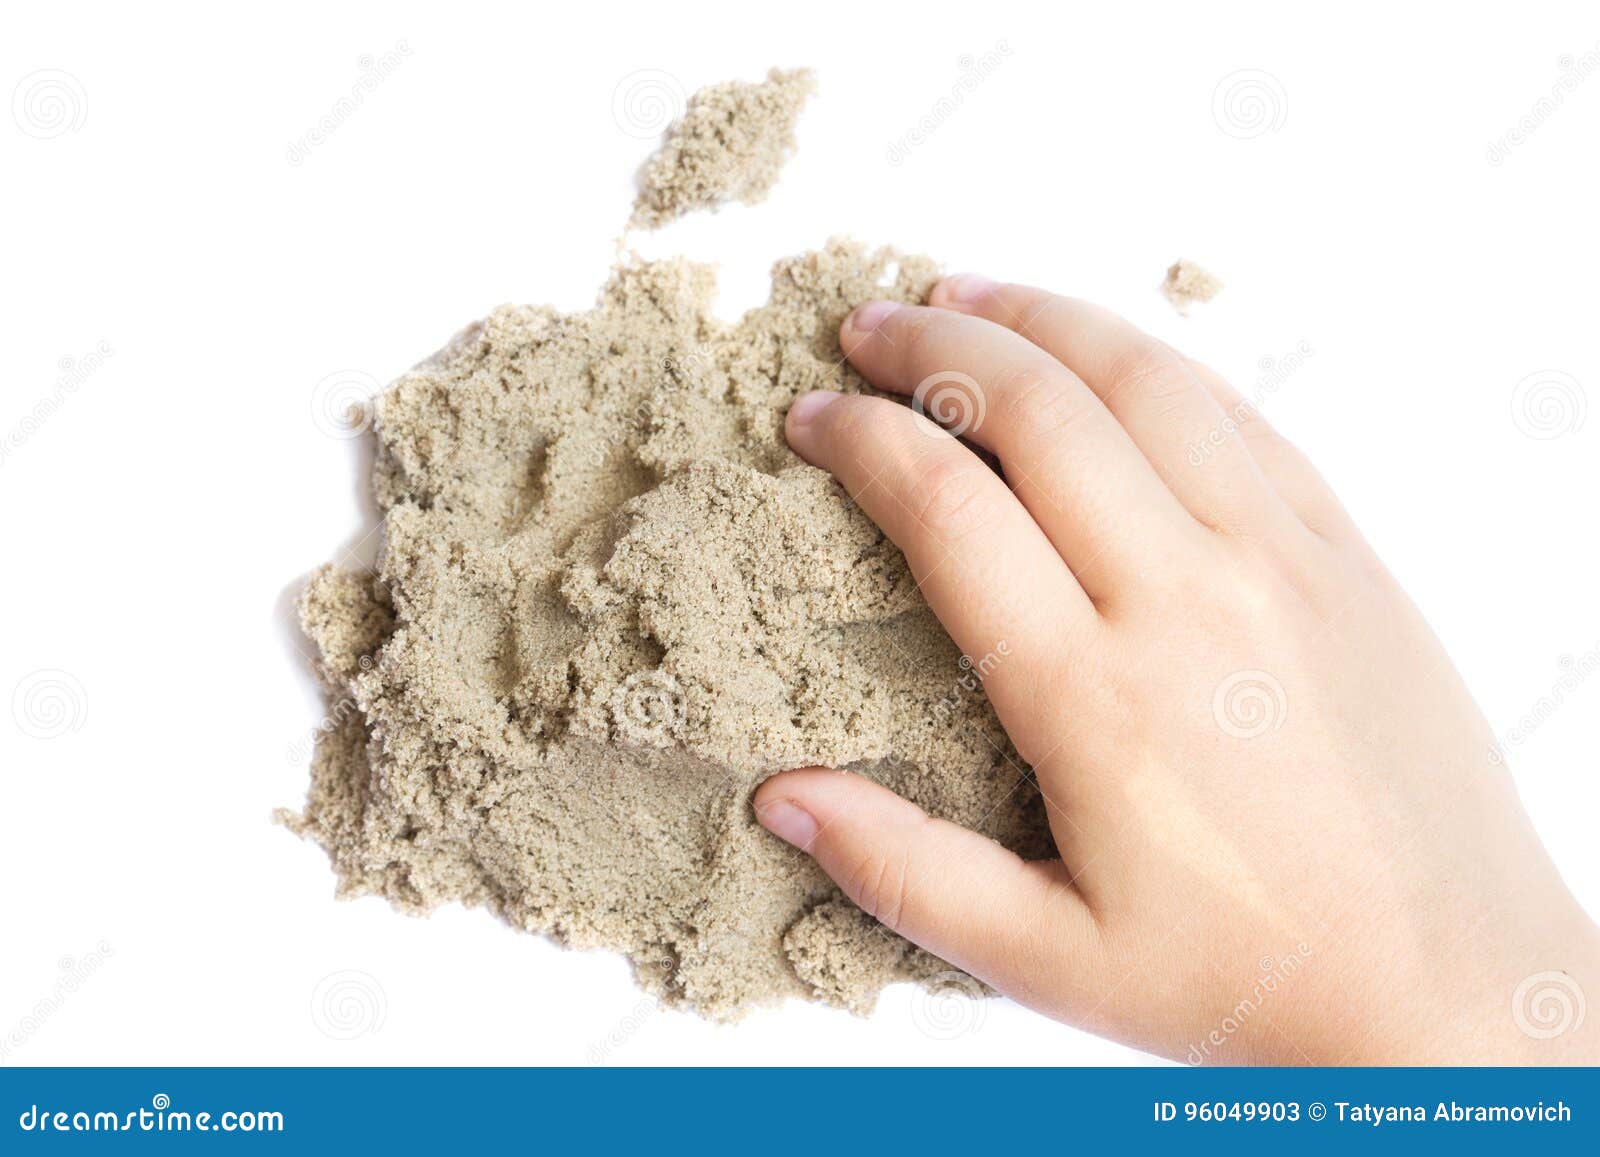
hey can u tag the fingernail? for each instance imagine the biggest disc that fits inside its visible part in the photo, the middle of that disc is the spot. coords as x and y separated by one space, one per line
789 822
966 288
870 316
807 406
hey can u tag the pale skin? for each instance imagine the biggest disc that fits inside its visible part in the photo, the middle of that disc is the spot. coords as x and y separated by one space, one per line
1285 832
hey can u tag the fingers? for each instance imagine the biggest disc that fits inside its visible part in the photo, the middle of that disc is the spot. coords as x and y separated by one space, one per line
1151 390
1288 470
1018 925
984 566
1074 468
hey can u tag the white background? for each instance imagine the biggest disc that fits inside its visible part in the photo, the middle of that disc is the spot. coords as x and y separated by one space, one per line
158 518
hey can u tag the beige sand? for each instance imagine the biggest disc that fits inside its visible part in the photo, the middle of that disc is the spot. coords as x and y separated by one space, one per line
729 145
610 602
1187 282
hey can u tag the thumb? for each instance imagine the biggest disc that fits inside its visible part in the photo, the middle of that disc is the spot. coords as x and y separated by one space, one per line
960 895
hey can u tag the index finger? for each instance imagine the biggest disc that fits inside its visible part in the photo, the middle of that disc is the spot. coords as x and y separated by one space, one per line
987 570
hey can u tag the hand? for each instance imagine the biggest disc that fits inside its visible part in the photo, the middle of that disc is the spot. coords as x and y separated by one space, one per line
1285 832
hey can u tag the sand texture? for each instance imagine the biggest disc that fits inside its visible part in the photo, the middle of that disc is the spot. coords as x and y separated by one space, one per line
729 145
1188 282
610 602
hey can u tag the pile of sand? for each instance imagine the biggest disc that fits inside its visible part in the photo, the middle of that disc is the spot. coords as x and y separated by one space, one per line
610 602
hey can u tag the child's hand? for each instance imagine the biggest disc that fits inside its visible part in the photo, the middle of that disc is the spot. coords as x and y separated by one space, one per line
1285 835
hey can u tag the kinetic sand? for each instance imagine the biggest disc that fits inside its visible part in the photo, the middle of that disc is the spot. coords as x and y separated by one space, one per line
610 602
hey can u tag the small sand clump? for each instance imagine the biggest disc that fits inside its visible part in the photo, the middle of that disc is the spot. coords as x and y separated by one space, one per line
610 602
1186 283
729 145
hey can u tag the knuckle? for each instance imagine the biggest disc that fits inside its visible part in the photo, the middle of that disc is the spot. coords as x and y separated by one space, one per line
1029 312
1377 573
1258 595
1242 510
1040 403
1146 370
1047 313
949 496
1255 429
